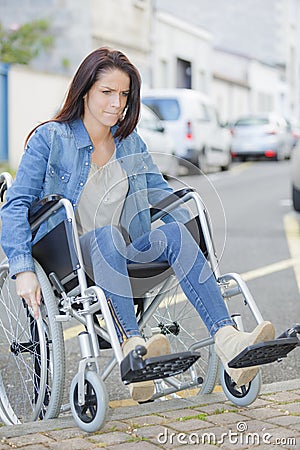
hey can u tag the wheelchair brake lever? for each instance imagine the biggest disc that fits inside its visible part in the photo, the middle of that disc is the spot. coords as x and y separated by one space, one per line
65 317
56 283
291 332
3 188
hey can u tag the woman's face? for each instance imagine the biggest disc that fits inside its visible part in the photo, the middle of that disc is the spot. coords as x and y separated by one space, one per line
106 100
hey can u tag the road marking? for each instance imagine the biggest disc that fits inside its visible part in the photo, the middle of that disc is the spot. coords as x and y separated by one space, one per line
234 170
241 167
72 332
271 268
292 231
122 402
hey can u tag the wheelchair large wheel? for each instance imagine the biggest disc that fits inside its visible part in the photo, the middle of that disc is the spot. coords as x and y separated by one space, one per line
32 356
240 396
179 321
91 416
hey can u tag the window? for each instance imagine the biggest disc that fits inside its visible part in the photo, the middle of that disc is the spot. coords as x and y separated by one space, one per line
165 108
149 120
140 3
184 74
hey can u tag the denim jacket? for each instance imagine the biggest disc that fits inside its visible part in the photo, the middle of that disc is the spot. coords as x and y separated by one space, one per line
57 161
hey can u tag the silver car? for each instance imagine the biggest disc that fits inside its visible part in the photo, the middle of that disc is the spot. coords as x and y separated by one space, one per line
263 135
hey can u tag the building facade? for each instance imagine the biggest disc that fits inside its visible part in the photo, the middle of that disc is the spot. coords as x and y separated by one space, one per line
266 33
245 55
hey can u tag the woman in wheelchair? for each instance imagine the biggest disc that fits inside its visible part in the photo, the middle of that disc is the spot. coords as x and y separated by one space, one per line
91 153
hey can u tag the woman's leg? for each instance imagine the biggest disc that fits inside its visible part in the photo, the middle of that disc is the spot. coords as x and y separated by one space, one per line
172 242
104 255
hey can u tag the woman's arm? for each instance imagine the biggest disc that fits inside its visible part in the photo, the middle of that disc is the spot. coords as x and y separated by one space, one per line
28 288
26 188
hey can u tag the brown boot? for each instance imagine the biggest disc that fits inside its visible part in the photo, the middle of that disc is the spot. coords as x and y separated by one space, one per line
229 342
157 345
143 390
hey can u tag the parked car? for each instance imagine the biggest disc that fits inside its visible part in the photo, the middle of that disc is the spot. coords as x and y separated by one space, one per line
191 119
159 143
295 174
294 128
261 135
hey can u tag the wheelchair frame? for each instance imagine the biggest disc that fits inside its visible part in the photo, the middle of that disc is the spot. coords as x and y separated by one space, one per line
88 383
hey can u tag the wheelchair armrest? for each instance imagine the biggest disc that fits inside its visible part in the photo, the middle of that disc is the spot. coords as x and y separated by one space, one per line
39 208
172 198
5 183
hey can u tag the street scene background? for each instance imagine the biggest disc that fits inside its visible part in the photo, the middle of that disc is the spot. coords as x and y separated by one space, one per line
244 56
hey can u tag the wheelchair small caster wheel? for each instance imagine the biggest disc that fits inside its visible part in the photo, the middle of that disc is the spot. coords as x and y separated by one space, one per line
91 415
240 396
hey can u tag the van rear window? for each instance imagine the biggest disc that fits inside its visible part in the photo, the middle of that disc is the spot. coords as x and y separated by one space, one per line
165 108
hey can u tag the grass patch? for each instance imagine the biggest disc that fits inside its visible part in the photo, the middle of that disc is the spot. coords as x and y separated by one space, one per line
200 416
223 410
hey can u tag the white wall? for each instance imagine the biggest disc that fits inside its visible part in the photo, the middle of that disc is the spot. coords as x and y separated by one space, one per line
242 85
231 99
172 39
33 98
265 87
124 25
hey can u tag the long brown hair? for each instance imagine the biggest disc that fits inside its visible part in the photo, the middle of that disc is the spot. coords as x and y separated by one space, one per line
90 70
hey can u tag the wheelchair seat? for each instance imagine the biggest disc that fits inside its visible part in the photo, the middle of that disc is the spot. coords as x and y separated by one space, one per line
56 253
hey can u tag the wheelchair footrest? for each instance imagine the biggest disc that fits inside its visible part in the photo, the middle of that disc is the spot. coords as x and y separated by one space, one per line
265 352
136 369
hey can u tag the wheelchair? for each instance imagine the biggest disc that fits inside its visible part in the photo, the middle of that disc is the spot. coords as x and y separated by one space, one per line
32 352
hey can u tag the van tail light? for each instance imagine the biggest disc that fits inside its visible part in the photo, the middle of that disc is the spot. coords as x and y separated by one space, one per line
189 134
270 154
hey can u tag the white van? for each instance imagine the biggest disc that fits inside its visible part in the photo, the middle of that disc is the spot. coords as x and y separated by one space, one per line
192 120
159 142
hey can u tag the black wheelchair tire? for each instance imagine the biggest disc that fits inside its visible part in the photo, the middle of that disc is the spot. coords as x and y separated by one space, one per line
32 354
244 395
89 417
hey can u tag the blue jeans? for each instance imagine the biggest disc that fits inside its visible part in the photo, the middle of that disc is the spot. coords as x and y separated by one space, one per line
106 256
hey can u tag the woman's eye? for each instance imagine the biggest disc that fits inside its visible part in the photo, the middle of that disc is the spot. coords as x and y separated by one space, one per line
106 92
125 94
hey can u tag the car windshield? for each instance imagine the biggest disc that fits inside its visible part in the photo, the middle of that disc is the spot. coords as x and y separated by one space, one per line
165 108
251 121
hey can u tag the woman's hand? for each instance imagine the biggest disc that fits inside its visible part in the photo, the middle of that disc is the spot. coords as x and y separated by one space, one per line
28 288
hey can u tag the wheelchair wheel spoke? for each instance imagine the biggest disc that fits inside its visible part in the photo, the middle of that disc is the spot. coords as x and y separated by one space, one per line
26 356
180 322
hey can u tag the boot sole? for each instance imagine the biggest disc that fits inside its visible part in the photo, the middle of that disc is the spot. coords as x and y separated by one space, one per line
144 390
141 392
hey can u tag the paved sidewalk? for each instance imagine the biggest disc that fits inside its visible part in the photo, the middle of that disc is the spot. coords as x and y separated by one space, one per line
205 422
